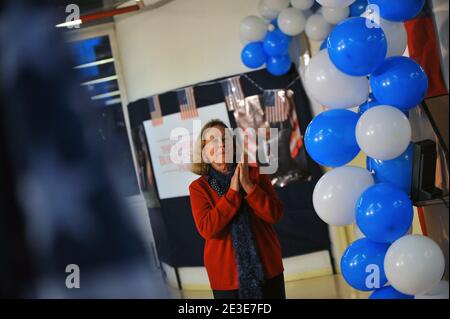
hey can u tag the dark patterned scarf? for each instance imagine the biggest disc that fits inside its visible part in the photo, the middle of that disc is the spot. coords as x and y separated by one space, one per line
250 268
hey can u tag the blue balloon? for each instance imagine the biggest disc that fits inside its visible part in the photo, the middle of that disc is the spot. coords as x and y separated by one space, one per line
330 138
363 263
399 10
253 55
384 213
274 22
397 171
389 292
358 7
276 43
324 44
279 65
399 82
370 103
355 48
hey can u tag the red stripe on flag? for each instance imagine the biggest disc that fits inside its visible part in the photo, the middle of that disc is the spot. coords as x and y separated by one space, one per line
156 114
423 48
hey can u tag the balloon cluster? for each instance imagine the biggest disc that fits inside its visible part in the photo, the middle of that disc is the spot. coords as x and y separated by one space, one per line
362 65
267 38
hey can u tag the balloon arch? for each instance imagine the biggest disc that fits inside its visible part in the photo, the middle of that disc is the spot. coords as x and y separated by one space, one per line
360 64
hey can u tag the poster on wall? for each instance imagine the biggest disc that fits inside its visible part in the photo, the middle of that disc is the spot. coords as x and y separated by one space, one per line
173 179
274 109
144 166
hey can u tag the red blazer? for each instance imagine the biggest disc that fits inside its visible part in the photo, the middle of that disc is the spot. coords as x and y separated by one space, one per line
212 216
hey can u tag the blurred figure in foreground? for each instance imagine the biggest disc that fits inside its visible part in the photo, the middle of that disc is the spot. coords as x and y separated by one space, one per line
64 233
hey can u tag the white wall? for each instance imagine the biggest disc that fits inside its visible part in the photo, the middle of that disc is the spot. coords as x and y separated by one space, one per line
180 44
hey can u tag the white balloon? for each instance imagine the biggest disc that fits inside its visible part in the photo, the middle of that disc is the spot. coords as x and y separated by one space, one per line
335 15
277 5
383 132
302 4
253 29
331 87
336 193
317 28
291 21
440 291
336 3
243 40
266 12
358 233
396 36
414 264
307 14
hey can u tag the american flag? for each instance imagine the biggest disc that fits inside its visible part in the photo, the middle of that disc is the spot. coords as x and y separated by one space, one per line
275 106
250 144
234 95
155 110
188 107
279 106
296 140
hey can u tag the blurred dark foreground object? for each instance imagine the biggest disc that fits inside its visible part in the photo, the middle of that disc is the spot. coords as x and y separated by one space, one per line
59 209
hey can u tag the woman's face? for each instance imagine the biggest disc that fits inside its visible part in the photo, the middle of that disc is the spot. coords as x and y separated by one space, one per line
218 149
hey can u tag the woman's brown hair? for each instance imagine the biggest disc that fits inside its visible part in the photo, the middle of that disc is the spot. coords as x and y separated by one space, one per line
198 165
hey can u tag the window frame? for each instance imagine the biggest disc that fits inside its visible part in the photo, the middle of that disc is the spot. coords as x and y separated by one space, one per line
108 29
